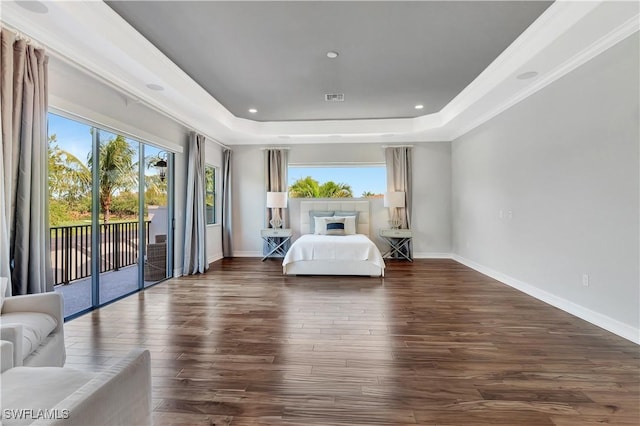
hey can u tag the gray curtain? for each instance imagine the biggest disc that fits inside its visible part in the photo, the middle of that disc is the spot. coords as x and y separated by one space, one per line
24 215
227 217
276 164
195 254
399 172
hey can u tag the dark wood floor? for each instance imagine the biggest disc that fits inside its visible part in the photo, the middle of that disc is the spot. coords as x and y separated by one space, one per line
434 342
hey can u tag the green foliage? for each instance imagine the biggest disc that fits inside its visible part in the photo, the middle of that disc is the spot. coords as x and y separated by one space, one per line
368 194
58 212
116 170
125 204
308 187
331 189
156 191
69 178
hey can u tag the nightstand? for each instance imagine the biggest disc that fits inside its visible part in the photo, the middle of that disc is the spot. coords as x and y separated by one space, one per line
399 240
277 241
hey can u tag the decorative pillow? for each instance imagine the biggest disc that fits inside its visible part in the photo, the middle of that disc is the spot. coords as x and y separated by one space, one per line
349 213
312 215
349 224
320 225
334 226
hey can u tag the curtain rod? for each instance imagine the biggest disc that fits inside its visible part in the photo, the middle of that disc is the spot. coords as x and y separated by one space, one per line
128 96
397 146
22 36
264 148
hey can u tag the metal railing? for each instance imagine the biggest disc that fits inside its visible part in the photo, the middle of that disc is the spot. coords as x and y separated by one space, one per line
71 249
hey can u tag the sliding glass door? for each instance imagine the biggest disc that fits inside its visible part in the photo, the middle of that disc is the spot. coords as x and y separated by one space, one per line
156 207
109 214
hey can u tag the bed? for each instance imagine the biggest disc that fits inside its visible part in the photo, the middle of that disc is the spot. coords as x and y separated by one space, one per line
334 254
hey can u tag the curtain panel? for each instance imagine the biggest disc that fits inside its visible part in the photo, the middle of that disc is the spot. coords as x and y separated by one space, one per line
276 168
24 212
195 255
399 178
227 217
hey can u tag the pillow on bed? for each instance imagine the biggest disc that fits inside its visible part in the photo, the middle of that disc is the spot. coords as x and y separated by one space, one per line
348 213
334 226
316 213
349 224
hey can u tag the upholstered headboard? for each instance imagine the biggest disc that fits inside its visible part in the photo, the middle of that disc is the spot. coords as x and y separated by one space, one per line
361 206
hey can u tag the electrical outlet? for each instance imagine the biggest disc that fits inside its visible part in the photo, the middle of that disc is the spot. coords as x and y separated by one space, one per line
585 280
510 214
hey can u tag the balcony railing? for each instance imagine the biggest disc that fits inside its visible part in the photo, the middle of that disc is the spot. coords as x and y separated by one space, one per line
71 249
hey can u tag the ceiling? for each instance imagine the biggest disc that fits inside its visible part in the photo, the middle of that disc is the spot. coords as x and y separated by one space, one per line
272 56
464 61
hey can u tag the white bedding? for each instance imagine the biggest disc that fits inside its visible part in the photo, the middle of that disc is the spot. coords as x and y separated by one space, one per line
334 247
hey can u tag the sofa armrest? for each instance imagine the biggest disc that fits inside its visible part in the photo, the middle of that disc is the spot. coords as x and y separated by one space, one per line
13 333
6 355
47 303
118 396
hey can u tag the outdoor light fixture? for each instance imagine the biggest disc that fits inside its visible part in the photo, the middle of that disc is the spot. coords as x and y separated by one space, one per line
160 162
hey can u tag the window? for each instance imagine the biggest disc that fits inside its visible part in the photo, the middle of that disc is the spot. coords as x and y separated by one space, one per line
337 181
210 194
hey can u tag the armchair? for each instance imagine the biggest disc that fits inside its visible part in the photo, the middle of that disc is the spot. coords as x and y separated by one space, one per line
34 324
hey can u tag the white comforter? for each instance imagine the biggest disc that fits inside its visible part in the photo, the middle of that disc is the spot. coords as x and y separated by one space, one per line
334 247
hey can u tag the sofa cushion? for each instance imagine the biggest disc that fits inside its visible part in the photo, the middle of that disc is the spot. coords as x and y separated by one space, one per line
36 326
39 388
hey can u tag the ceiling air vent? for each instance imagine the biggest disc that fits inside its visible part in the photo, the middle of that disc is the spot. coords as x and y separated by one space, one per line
334 97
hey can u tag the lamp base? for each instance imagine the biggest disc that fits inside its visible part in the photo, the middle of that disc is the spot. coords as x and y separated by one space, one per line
276 222
395 223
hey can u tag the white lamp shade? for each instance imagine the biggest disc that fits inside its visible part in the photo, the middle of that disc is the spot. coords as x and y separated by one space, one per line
276 200
394 199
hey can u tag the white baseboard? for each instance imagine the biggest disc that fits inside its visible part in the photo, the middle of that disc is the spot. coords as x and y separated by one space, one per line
177 272
247 254
603 321
430 255
214 258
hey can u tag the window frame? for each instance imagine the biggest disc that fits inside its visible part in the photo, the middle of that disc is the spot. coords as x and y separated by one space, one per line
210 193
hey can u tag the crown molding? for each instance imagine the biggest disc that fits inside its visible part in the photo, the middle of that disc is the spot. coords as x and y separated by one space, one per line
91 36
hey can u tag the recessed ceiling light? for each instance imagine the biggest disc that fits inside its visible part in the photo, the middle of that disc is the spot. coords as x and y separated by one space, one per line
253 110
155 87
33 6
527 75
331 54
419 106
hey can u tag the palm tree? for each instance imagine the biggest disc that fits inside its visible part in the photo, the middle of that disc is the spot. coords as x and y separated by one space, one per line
331 189
306 187
69 178
116 170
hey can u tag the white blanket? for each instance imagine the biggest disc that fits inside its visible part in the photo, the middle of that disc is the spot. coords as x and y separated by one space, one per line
334 247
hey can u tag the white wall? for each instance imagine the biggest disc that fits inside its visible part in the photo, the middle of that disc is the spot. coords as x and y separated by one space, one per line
432 197
79 94
564 162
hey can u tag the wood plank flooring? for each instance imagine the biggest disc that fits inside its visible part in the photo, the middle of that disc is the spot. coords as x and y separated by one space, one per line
432 343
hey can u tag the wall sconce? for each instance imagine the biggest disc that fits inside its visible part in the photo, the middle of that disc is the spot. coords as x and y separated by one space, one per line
160 162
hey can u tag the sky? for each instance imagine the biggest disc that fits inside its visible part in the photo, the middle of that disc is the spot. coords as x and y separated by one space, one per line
75 138
361 178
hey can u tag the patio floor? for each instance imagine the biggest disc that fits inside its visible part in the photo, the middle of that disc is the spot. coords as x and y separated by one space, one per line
113 284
